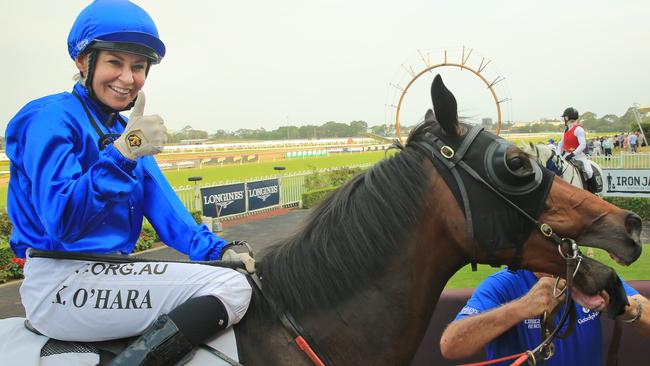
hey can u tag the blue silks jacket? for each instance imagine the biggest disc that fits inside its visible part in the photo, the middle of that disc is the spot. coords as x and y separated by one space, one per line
67 195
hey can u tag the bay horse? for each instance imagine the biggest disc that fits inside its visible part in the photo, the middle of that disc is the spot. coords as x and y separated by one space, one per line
362 275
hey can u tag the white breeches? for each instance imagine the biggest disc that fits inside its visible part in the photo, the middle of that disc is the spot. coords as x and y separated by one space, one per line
94 301
586 164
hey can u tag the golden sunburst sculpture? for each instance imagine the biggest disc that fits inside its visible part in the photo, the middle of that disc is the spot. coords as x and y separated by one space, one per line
477 66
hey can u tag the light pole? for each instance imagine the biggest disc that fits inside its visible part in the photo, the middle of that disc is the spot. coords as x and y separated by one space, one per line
279 169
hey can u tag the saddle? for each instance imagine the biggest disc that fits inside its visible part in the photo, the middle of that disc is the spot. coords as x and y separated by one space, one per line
220 350
106 350
595 184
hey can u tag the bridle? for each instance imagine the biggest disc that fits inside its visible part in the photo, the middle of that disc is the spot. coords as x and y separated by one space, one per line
451 158
440 153
545 350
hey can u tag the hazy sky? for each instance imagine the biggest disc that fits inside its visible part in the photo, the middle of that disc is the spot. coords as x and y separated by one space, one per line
251 64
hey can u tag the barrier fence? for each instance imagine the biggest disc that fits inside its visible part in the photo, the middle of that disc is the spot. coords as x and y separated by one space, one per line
292 185
623 160
233 199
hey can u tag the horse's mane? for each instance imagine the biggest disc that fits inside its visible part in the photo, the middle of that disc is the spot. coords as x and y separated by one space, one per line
350 236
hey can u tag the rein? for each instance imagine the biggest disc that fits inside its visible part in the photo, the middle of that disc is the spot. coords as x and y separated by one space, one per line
291 325
546 349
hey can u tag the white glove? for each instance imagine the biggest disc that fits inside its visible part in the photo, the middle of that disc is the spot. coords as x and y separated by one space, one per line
231 256
143 135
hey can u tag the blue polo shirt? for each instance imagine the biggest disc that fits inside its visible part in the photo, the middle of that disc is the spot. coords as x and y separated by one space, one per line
582 347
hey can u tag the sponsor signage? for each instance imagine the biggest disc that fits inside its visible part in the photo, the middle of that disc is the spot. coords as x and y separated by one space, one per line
223 200
626 182
263 193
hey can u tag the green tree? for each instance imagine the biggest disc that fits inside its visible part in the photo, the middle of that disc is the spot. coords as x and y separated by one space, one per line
589 120
288 132
334 129
381 130
358 128
308 132
628 120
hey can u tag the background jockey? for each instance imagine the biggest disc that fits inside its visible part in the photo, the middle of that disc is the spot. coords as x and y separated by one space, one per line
574 142
82 179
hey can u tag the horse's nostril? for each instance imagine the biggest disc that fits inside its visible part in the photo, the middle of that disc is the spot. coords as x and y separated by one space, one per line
633 224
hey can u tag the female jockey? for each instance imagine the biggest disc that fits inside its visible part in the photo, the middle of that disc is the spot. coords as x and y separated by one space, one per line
83 177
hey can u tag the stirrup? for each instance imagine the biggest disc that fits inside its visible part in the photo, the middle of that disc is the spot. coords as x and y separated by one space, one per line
160 344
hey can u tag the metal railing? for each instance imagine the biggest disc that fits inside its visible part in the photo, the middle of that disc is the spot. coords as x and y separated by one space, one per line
623 160
292 187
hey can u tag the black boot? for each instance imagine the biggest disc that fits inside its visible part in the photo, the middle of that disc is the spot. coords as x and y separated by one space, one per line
595 184
160 344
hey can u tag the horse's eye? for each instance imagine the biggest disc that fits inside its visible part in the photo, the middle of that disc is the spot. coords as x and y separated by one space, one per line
515 163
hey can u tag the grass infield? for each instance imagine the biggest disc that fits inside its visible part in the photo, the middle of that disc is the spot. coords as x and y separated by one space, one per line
639 270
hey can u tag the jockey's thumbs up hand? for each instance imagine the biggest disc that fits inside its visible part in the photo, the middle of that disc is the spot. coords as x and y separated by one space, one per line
143 135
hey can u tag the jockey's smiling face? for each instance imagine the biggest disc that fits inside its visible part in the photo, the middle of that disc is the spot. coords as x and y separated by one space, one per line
118 77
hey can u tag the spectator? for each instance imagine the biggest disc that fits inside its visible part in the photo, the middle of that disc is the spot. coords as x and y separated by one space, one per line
590 147
597 150
608 142
551 145
632 140
503 315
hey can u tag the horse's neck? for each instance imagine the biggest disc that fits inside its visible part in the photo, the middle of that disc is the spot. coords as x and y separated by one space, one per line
379 325
571 175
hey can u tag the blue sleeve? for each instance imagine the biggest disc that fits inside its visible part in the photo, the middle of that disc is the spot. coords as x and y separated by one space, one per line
629 290
68 200
172 221
490 294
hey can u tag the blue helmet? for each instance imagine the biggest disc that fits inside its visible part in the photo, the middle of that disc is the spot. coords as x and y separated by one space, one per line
115 25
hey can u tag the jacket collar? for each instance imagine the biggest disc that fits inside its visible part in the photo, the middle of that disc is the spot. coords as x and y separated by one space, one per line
101 111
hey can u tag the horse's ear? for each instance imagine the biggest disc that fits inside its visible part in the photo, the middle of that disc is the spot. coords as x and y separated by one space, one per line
532 147
445 107
429 117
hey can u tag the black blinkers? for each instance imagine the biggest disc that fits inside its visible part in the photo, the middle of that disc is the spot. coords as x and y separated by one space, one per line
477 168
503 177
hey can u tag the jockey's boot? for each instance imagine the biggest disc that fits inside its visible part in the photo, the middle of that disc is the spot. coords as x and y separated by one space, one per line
161 343
171 337
595 184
